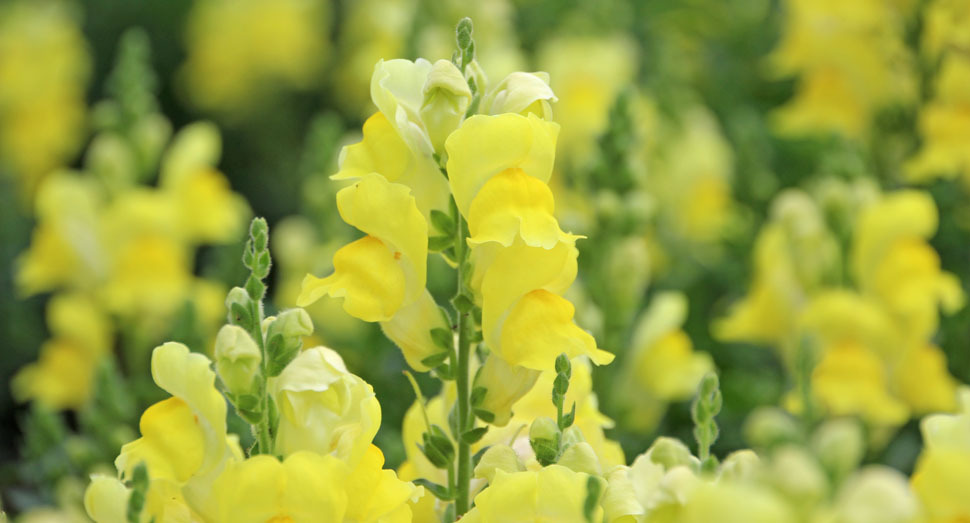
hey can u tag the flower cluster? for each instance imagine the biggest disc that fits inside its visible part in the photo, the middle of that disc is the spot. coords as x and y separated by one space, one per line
865 349
117 251
944 121
44 68
851 61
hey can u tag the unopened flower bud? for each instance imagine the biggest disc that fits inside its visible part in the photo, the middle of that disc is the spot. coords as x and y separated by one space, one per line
522 93
446 98
238 304
839 445
284 338
237 358
768 426
544 438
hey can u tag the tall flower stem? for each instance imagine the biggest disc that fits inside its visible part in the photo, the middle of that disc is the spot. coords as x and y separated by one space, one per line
462 377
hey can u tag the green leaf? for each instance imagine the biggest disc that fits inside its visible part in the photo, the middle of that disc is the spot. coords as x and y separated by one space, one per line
568 419
463 303
478 395
240 315
436 359
443 222
594 489
473 435
437 490
247 401
484 415
440 243
443 338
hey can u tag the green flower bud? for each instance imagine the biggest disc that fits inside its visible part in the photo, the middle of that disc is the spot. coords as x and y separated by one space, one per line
446 98
740 465
769 426
238 304
237 359
671 452
839 445
284 338
544 437
498 457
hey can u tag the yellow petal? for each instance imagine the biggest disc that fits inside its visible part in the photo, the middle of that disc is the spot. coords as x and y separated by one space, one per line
851 380
383 151
61 378
486 145
106 499
189 377
368 277
907 214
306 487
517 270
540 327
410 329
375 493
923 381
172 445
324 408
553 493
513 203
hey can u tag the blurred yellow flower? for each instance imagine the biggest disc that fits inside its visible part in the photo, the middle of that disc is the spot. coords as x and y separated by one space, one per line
587 75
239 51
851 61
943 467
44 70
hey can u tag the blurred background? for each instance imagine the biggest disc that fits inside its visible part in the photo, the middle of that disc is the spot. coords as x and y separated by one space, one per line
776 189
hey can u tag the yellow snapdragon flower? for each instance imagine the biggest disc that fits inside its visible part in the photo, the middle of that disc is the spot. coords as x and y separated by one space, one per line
198 473
324 408
663 365
793 255
498 167
240 50
944 122
62 376
587 74
44 70
382 272
892 260
943 467
851 61
553 493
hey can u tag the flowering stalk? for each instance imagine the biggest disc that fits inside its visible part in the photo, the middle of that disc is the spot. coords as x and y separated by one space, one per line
463 307
247 312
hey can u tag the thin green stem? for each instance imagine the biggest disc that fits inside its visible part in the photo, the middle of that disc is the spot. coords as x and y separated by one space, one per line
462 379
263 437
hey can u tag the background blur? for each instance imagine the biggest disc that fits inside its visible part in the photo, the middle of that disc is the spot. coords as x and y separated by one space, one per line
684 124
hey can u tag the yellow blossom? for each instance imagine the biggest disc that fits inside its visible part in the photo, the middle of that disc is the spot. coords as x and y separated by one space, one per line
324 408
943 467
239 50
386 270
587 74
554 493
44 70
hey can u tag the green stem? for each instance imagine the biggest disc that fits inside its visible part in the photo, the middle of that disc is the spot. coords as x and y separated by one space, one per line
263 437
462 379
